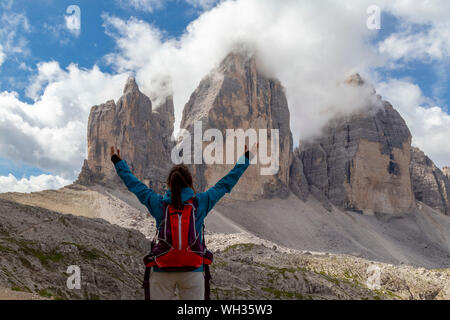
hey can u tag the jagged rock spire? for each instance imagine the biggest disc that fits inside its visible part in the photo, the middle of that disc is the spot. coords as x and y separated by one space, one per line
131 85
431 185
355 80
446 171
237 95
142 136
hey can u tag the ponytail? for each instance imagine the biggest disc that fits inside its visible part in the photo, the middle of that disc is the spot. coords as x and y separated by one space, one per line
179 178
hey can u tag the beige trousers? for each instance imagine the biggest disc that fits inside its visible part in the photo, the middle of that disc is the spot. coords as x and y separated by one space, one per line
190 285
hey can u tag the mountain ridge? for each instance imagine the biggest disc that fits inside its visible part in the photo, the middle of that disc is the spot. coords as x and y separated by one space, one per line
353 191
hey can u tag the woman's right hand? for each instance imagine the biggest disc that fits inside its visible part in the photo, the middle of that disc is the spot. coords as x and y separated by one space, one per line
254 148
253 151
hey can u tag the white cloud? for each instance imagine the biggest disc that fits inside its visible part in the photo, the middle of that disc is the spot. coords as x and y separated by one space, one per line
419 11
142 5
424 46
429 124
34 183
310 47
13 26
152 5
432 43
51 133
7 4
2 55
202 4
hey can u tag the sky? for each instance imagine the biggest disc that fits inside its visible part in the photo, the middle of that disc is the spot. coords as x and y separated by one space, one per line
58 58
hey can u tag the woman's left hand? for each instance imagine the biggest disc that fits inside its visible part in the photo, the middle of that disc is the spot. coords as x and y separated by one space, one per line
113 152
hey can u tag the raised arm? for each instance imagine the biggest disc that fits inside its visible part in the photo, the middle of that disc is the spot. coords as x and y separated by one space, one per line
226 184
145 195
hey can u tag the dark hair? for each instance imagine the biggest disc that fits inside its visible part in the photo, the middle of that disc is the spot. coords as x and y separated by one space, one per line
179 178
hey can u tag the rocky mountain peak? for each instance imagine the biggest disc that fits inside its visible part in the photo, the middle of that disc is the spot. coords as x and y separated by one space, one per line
131 85
236 62
446 171
361 162
355 80
431 185
237 95
143 136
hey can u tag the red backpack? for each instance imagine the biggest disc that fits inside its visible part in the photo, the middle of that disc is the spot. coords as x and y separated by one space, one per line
177 245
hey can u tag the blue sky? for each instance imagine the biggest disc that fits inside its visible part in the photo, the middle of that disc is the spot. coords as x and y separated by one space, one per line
35 33
421 72
49 40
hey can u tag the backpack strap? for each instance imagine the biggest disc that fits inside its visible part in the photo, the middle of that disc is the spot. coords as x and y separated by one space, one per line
195 204
203 234
146 284
207 272
207 282
205 266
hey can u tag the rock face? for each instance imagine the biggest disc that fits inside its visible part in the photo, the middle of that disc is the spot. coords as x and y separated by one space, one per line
431 186
446 171
142 134
276 274
117 206
237 95
268 274
361 162
297 179
37 246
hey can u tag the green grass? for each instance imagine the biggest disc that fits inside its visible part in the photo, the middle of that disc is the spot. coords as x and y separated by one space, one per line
15 282
48 293
278 269
94 297
20 289
4 233
243 246
47 259
28 248
5 249
287 294
383 293
45 293
218 264
88 254
329 278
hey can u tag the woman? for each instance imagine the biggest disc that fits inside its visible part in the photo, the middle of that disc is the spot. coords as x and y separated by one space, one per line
190 284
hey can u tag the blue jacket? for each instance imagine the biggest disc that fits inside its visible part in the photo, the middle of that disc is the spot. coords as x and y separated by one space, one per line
205 200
